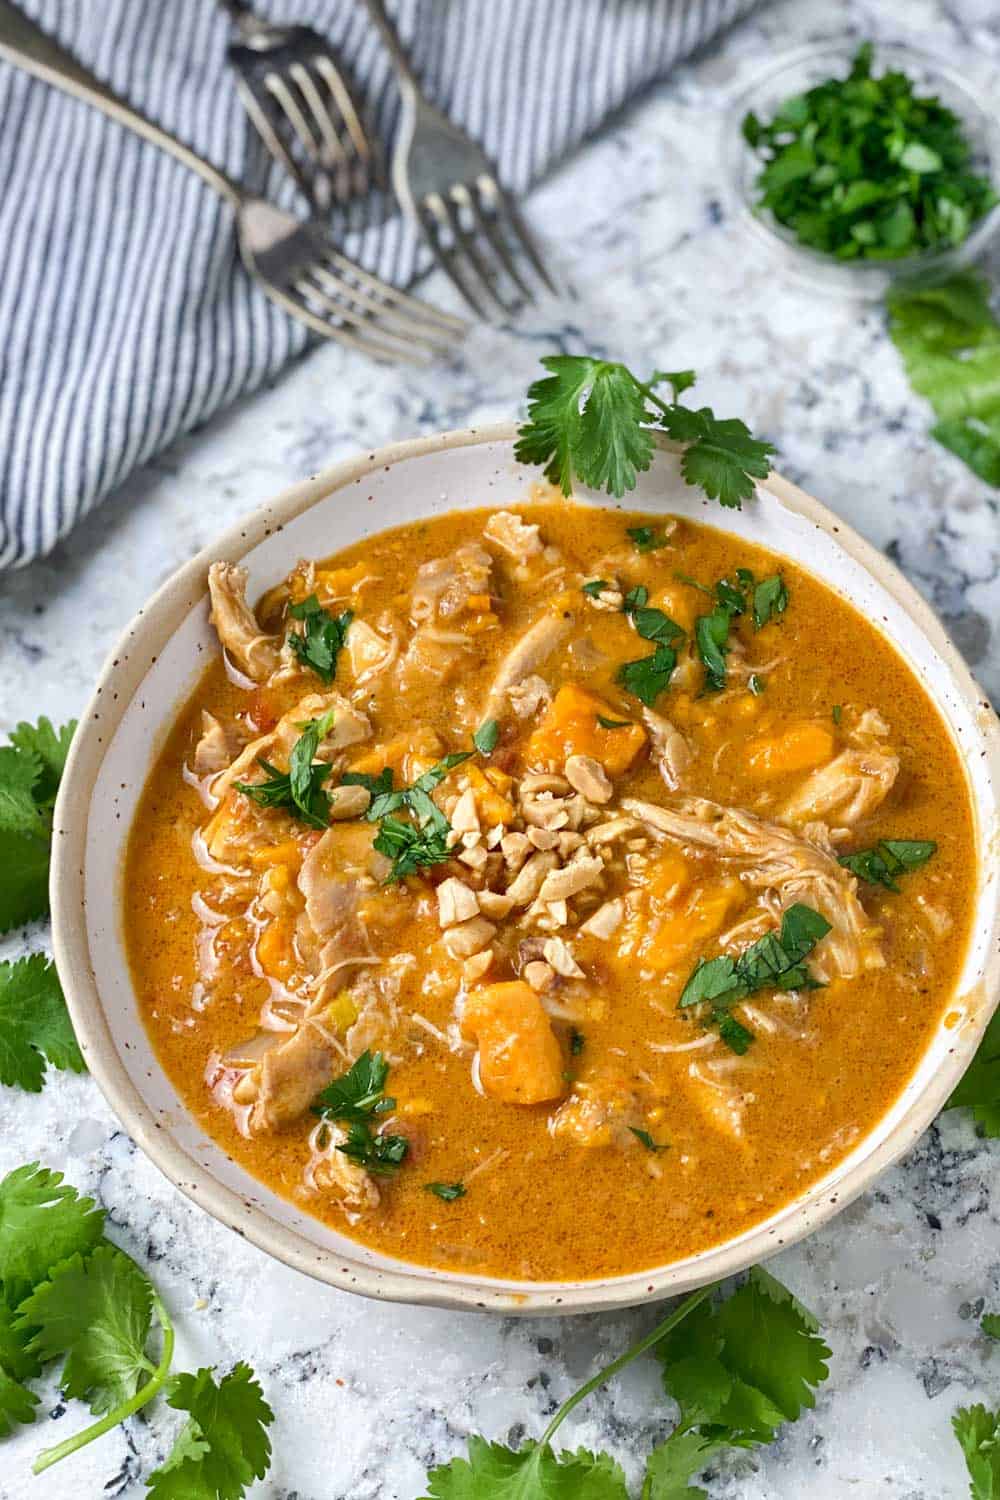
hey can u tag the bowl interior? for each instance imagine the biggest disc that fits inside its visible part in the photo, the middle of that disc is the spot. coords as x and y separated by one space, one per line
801 70
157 666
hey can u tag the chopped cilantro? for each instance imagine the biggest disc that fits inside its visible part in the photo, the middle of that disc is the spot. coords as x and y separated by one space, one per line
770 599
577 1042
775 961
838 712
613 723
646 538
356 1099
323 638
594 587
591 420
868 167
446 1191
889 858
379 1153
486 737
300 789
410 847
647 1140
648 677
378 785
711 633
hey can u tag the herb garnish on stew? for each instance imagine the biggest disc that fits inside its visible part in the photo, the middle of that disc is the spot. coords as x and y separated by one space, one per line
889 858
775 961
299 790
356 1099
323 638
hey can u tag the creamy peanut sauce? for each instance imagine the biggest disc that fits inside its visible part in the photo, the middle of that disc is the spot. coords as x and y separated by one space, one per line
525 991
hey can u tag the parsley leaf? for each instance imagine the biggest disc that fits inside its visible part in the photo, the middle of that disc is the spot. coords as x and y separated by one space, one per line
446 1191
34 1024
978 1434
98 1312
300 789
646 538
648 677
979 1088
775 961
224 1446
323 638
891 857
591 420
359 1093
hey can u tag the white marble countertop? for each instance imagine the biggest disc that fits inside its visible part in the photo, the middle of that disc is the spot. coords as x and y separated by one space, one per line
368 1396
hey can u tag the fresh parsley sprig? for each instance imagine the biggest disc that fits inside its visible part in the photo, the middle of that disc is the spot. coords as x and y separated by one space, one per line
593 420
322 638
775 961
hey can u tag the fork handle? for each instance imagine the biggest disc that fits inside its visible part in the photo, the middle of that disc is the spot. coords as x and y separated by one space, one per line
390 36
29 47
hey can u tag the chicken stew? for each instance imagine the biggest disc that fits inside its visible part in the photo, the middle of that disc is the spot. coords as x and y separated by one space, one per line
547 893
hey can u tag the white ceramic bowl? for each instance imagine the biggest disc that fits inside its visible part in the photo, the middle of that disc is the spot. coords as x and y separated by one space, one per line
156 666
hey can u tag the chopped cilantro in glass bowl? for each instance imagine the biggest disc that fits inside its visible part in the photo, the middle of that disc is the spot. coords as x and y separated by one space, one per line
862 186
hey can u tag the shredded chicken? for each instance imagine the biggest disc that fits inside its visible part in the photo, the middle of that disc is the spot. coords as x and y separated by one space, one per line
518 538
255 654
536 644
774 858
215 749
349 727
672 753
850 788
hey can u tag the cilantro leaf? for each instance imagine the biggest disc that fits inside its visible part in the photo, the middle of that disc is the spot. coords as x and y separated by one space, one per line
42 1221
647 1140
990 1324
487 737
678 380
711 634
224 1446
377 786
774 961
740 1368
379 1153
359 1093
446 1191
534 1472
646 538
891 857
98 1312
591 419
299 790
674 1462
410 848
648 677
606 723
20 772
770 599
320 643
34 1024
24 878
594 587
978 1434
723 457
17 1404
979 1088
50 747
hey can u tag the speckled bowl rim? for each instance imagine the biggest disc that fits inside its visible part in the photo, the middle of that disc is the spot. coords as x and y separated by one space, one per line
120 679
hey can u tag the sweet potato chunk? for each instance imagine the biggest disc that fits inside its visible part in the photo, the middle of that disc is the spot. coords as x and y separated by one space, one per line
802 747
520 1061
571 726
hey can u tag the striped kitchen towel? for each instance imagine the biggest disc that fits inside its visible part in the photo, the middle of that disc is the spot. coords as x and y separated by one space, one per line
126 317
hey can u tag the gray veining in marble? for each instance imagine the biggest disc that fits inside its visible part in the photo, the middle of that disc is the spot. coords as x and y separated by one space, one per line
368 1396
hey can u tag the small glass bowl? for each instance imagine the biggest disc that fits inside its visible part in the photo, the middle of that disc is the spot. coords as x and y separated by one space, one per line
794 73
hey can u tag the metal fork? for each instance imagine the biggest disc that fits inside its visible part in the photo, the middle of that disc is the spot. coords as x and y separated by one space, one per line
449 187
297 263
297 94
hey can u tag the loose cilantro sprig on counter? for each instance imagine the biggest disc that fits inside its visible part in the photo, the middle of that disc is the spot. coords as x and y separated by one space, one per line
31 766
35 1027
739 1367
775 961
322 638
868 167
68 1294
593 420
889 858
979 1088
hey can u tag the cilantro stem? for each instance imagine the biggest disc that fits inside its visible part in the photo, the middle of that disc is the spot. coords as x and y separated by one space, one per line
646 1342
144 1394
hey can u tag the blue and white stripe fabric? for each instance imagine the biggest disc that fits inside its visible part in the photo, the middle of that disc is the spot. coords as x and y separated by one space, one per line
125 316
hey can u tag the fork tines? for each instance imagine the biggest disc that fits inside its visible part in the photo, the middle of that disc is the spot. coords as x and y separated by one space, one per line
340 299
474 231
304 109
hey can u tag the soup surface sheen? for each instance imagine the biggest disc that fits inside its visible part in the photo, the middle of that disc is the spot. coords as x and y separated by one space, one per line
553 1112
